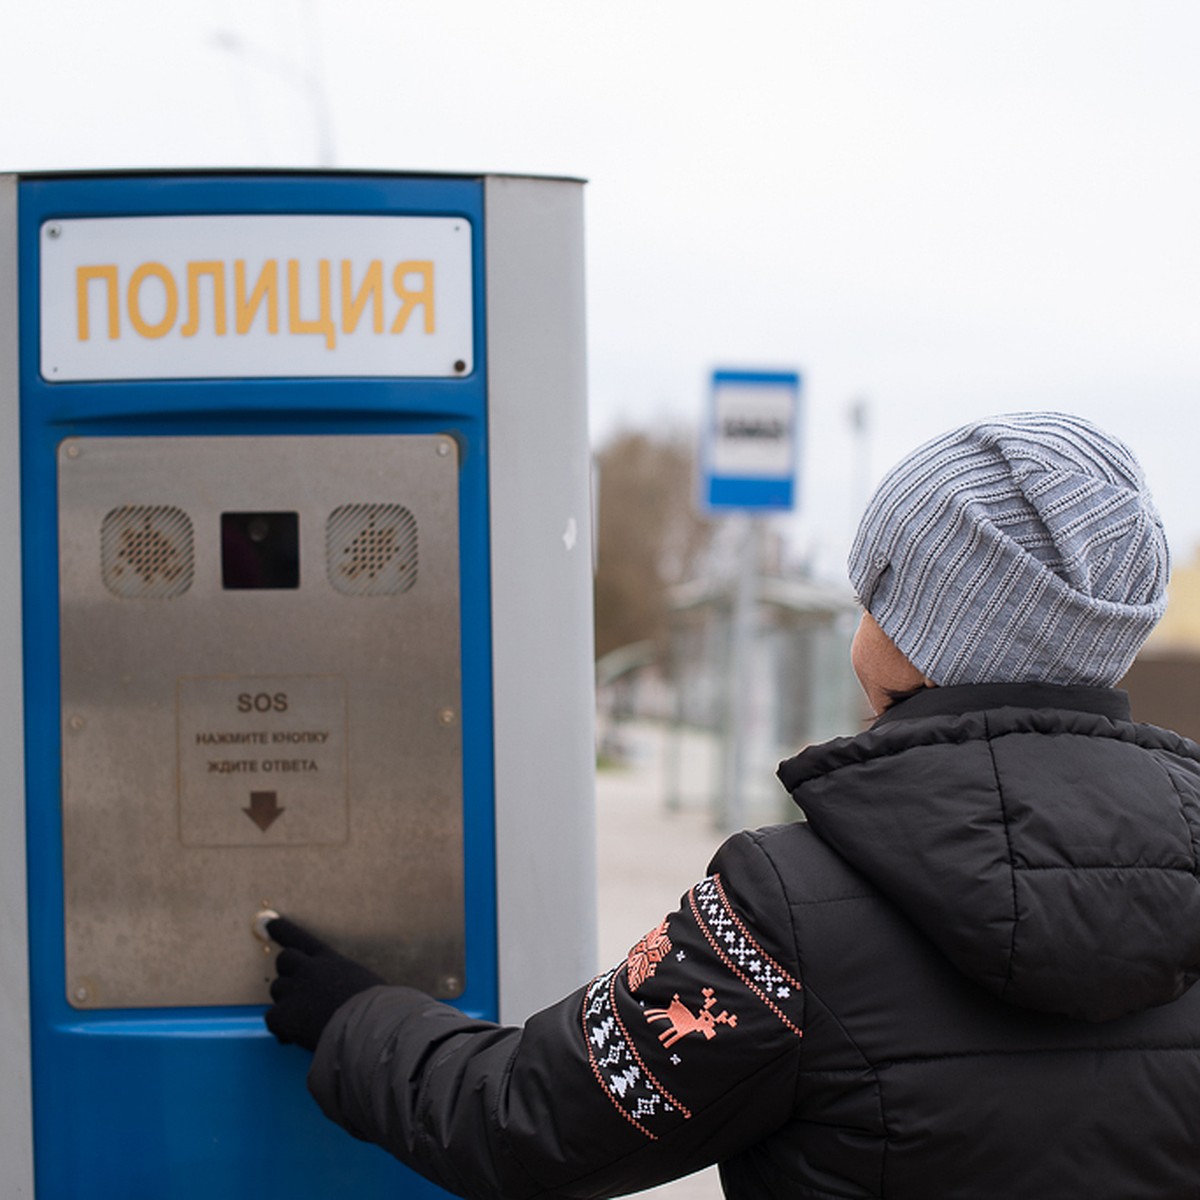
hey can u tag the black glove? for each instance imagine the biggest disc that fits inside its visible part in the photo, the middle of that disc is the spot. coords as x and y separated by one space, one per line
314 982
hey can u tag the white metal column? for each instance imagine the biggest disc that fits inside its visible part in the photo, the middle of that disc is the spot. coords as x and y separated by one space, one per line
16 1117
541 561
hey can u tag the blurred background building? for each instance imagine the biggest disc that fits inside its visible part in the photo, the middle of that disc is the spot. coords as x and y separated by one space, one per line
1164 681
666 582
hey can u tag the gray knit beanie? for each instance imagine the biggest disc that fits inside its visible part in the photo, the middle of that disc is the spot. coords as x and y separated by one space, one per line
1020 548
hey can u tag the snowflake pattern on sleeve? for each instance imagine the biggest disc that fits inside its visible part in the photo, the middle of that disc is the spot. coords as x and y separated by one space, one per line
644 958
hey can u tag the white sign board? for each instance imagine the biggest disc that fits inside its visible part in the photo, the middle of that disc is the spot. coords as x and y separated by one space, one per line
218 297
750 445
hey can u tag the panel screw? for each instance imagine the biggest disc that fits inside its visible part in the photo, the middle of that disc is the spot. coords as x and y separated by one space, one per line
451 985
76 723
443 449
54 230
72 450
447 716
81 994
459 365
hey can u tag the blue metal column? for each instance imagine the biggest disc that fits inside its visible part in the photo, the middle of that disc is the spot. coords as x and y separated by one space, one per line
183 1103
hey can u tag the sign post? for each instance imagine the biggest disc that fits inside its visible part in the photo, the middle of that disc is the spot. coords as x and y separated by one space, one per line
749 464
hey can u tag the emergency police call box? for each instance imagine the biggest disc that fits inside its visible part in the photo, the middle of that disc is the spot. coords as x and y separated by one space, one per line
297 616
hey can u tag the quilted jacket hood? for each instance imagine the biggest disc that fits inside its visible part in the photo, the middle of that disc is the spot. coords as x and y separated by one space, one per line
1046 844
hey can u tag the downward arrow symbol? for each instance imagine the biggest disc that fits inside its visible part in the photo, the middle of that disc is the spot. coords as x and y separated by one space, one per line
263 810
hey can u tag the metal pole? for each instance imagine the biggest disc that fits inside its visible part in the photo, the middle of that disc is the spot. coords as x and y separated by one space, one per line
307 81
674 748
859 415
738 682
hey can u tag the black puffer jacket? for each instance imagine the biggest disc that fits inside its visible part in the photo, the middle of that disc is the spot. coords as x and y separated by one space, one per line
966 976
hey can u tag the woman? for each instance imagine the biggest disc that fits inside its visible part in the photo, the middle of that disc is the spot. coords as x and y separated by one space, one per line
967 974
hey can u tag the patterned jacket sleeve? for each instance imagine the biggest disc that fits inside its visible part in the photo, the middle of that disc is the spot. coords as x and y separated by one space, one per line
680 1056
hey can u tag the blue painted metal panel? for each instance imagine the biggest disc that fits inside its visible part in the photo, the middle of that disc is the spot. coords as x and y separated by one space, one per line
759 494
180 1104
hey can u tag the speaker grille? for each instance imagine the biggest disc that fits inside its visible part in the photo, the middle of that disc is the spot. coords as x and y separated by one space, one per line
146 552
371 549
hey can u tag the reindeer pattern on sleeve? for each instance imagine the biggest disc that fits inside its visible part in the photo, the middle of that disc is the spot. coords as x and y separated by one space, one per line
692 997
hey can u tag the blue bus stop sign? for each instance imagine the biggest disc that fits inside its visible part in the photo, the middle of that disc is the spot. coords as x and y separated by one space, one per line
749 448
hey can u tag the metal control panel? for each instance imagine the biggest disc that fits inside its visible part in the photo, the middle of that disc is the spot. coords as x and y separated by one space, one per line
260 708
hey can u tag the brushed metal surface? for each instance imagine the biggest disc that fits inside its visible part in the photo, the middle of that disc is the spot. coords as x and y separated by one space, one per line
226 751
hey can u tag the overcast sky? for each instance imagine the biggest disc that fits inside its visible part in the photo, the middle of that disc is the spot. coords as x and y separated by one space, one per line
946 207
